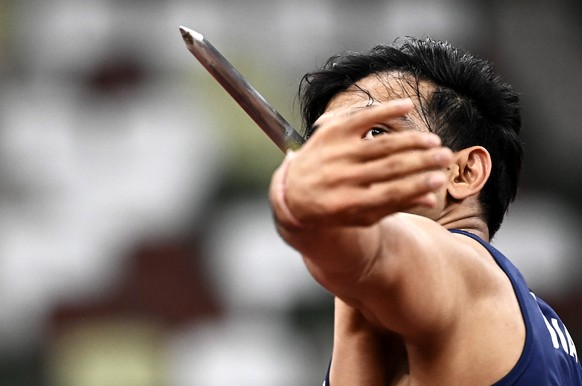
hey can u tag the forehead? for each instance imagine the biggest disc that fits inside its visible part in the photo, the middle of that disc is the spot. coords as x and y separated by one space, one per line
380 88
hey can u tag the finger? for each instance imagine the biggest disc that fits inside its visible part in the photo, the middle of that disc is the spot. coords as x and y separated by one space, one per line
427 200
380 147
331 116
338 112
366 206
398 195
358 120
362 119
399 165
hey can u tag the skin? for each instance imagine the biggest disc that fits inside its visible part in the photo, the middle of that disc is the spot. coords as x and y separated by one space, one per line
415 304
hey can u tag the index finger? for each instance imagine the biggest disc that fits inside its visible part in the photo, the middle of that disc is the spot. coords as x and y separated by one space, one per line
357 120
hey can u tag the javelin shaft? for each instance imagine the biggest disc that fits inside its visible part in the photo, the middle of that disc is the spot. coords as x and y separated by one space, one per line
253 103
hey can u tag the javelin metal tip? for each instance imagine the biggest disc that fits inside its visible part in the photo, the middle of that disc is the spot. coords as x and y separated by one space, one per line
265 115
190 35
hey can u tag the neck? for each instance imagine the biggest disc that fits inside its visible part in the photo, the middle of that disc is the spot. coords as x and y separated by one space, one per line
467 216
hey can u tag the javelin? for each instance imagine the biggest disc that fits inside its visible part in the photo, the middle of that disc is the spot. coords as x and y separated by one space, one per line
253 103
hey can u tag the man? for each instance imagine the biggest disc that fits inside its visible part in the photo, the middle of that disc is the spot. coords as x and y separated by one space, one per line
412 159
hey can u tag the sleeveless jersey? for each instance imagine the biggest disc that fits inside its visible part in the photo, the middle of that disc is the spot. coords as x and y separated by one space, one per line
549 356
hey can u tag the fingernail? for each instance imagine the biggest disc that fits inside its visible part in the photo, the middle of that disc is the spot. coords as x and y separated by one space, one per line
441 154
436 180
432 139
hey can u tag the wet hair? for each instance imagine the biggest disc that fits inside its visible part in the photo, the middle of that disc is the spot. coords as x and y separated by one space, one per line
467 105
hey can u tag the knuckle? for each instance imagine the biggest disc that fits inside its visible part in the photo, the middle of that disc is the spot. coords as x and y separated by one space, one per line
394 164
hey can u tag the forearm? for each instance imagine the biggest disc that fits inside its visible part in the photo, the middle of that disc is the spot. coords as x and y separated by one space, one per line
336 256
388 271
333 253
339 199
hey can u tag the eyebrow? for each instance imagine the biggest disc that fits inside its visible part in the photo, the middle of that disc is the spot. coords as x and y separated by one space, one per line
405 119
407 122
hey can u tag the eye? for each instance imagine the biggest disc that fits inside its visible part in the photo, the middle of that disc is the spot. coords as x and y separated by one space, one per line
375 131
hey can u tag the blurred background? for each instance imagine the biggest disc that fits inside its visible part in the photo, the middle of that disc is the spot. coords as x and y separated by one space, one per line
136 243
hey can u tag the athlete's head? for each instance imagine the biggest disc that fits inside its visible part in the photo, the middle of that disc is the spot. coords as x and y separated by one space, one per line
465 103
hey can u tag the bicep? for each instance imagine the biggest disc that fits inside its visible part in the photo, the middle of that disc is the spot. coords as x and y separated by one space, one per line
404 273
336 257
415 284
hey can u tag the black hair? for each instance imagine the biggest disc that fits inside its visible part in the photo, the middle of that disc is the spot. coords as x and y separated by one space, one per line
468 105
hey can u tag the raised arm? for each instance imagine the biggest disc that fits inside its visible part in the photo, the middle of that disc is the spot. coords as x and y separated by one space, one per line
339 202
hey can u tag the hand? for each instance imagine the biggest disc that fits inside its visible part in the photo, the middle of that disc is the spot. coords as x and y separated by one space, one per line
340 178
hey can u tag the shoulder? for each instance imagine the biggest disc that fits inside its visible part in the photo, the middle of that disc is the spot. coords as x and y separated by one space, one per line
432 276
483 314
411 242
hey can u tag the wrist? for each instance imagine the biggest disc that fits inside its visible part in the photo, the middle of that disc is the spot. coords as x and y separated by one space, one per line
283 214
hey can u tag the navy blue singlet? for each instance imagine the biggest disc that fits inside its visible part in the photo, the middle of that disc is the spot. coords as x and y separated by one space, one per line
549 357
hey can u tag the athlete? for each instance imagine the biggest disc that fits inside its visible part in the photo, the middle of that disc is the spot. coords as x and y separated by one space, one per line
412 159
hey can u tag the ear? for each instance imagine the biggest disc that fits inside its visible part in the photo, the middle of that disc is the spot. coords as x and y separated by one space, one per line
469 172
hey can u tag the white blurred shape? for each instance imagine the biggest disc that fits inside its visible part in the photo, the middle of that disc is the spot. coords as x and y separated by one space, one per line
254 351
540 236
60 35
440 19
255 269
